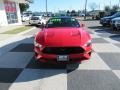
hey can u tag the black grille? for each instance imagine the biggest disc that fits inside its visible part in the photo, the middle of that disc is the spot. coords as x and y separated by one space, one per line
63 50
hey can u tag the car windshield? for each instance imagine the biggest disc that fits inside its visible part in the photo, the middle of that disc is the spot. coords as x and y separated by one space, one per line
37 14
62 22
35 18
116 14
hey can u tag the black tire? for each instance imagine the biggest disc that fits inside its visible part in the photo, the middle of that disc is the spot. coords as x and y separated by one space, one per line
29 23
114 29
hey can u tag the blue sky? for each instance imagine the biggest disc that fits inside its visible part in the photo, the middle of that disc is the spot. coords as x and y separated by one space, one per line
55 5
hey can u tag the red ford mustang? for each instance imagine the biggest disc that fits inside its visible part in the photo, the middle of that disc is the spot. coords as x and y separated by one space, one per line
64 40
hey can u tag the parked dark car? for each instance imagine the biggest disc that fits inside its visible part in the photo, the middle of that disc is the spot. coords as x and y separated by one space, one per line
106 21
115 24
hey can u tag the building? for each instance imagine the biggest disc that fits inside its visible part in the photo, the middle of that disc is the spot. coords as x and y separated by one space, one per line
95 12
10 12
62 13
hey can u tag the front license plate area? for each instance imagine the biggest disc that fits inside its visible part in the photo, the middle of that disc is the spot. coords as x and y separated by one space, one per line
63 58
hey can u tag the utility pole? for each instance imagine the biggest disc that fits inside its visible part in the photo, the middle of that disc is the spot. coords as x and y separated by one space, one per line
46 6
119 3
99 6
85 9
110 4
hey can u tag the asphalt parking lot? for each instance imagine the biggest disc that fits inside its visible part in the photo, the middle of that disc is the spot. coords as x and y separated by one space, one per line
20 71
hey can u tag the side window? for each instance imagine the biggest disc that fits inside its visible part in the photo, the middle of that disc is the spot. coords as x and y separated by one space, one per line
118 14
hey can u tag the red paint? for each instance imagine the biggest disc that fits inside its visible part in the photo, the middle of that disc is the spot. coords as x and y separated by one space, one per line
10 6
63 37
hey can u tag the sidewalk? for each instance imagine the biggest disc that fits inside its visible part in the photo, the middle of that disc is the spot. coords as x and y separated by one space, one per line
7 28
6 38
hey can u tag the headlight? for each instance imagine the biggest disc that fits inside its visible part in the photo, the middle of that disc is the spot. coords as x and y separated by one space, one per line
88 43
117 21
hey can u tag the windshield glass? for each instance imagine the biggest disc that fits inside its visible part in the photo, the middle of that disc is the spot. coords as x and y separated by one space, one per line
35 18
37 14
116 14
62 22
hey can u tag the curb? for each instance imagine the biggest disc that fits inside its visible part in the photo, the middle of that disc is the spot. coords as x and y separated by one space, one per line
14 38
26 31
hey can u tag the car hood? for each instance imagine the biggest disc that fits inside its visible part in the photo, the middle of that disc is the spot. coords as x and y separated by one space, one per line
118 18
62 37
109 17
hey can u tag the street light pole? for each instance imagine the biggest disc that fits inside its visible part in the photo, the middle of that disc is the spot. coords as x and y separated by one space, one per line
46 7
85 9
110 4
119 3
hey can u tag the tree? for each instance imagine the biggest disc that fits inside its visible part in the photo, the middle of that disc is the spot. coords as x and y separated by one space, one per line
73 13
79 12
115 8
107 8
23 7
111 11
68 13
93 6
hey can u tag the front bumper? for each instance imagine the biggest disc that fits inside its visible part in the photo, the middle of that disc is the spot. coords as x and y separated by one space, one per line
118 26
113 25
52 58
105 22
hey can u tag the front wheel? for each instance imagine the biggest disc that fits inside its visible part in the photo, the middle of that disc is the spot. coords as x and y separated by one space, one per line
114 29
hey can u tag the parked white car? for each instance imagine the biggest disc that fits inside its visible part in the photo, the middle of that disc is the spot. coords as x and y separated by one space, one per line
37 20
25 18
115 23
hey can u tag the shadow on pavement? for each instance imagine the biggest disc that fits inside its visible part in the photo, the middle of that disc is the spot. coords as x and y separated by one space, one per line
115 37
101 29
106 32
89 20
32 67
96 27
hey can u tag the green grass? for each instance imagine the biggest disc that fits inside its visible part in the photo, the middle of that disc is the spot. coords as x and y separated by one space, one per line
17 30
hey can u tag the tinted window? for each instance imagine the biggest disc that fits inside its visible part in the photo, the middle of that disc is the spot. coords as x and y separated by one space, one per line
62 22
117 14
37 14
35 18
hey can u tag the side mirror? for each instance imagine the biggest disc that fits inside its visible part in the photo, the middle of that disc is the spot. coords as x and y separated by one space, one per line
82 25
